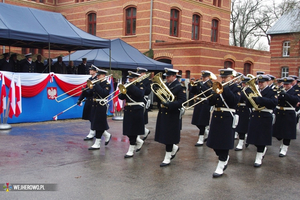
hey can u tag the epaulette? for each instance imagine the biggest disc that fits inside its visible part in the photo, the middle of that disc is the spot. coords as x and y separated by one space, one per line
238 86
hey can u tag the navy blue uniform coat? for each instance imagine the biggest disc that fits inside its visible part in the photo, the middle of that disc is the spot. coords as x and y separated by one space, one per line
201 114
99 112
260 125
285 124
86 114
133 121
221 133
168 124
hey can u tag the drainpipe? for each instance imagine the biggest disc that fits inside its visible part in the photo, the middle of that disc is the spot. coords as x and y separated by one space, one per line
150 35
3 48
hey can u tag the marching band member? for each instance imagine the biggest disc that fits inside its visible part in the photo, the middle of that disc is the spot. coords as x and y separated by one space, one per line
201 113
260 125
133 122
99 123
168 123
285 125
221 133
88 103
271 81
147 87
243 112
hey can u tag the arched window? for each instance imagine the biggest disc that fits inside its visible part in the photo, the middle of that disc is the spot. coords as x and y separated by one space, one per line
284 71
229 63
247 68
92 23
174 22
195 27
214 30
130 21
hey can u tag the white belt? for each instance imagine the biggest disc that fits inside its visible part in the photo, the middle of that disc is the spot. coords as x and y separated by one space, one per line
98 99
224 109
146 96
264 110
136 104
285 108
241 104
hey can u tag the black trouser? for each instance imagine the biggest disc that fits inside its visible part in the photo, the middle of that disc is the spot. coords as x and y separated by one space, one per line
169 147
201 129
132 139
222 153
260 148
285 141
242 136
99 133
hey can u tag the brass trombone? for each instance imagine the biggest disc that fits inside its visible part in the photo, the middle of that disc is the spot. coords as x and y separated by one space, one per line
89 84
217 87
122 89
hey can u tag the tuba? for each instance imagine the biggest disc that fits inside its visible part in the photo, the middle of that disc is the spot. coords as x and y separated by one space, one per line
254 93
160 89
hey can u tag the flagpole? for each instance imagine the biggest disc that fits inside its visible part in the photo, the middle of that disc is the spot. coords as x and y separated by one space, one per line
5 125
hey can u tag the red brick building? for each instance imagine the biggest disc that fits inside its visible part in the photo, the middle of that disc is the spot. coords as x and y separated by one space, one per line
284 47
193 35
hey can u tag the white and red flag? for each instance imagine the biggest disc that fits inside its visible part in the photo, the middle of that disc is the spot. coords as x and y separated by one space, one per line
3 96
12 98
118 102
18 97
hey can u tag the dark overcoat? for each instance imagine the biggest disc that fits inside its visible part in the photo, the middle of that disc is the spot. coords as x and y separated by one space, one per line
133 120
28 67
201 114
99 112
285 124
168 123
244 114
6 66
147 86
260 125
221 133
83 69
86 114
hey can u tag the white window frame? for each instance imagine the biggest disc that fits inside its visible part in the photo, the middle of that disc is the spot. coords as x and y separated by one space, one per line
284 72
286 49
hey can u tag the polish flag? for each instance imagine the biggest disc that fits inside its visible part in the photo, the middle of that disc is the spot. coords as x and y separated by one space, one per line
118 102
12 97
3 96
19 98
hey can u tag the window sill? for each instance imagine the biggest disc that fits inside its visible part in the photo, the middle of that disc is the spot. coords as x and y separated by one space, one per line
173 37
129 36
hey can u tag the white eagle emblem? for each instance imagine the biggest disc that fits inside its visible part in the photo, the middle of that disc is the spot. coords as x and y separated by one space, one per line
52 92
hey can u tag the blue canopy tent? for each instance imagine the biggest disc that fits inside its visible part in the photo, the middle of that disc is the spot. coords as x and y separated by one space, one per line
123 57
29 27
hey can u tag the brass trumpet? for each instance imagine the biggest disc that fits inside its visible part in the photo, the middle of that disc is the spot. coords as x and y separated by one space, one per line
217 87
89 84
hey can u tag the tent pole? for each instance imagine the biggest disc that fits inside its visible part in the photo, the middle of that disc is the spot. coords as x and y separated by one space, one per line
49 58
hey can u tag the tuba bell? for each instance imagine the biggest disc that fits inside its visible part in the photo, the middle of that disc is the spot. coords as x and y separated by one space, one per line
254 93
160 89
